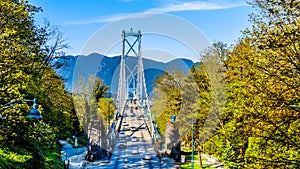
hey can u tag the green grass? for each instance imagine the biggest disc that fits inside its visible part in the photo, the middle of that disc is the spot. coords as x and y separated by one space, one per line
196 166
196 157
188 157
188 154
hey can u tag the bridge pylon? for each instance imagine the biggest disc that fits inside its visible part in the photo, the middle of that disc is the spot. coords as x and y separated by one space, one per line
132 83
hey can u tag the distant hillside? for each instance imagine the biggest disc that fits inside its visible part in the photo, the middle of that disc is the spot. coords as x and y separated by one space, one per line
108 68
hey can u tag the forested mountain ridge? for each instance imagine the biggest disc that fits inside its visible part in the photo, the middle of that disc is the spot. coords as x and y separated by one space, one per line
108 69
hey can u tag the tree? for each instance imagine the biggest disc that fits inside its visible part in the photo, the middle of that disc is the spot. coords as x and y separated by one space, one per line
100 90
209 99
276 84
167 98
236 126
21 59
262 107
92 108
106 109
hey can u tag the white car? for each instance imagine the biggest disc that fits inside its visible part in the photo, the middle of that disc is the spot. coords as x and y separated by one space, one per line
134 150
134 139
122 144
147 156
122 134
133 128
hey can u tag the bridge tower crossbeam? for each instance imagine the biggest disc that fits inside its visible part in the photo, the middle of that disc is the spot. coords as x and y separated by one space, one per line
132 79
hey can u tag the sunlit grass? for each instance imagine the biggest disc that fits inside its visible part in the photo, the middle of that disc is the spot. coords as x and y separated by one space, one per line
196 166
188 157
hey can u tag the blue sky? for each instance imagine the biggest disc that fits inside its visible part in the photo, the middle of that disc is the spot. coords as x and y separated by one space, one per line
221 20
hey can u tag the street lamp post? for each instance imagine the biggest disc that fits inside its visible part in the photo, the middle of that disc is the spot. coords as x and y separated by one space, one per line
192 143
34 113
75 141
65 159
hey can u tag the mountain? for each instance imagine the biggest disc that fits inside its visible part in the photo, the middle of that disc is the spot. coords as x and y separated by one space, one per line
107 68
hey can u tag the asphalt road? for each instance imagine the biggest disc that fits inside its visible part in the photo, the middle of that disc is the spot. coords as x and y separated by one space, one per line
133 145
133 148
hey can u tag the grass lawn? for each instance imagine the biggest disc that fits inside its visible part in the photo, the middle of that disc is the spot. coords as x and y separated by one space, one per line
196 157
196 166
188 157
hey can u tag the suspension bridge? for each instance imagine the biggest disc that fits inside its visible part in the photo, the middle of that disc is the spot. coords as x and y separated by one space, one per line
131 140
133 135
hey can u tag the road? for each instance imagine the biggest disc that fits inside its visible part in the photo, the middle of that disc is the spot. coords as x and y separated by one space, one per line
133 148
133 144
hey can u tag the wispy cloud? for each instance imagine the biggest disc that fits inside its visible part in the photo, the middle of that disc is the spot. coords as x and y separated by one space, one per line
168 8
105 19
195 6
110 18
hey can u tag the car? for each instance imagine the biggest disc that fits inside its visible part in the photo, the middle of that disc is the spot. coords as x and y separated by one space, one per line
125 128
122 134
133 128
134 150
124 123
134 139
122 144
147 156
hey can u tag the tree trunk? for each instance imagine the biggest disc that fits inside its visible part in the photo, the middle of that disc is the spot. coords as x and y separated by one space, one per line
199 158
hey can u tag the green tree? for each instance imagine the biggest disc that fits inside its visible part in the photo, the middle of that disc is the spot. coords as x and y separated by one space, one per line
276 36
262 106
23 77
235 128
92 108
106 109
167 98
209 100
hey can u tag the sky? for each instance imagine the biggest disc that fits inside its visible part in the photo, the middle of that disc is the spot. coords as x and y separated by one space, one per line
79 20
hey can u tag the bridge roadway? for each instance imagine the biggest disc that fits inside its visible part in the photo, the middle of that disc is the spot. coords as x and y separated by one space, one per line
134 148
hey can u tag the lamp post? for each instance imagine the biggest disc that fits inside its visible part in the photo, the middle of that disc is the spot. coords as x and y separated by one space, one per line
34 113
192 143
65 160
75 140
